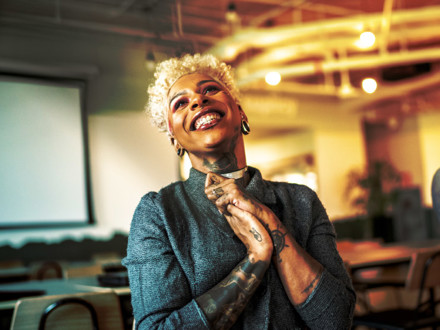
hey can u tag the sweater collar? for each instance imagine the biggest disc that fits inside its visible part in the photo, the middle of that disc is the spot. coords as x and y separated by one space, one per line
257 187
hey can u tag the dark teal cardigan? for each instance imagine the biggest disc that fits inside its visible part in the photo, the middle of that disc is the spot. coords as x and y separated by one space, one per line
180 246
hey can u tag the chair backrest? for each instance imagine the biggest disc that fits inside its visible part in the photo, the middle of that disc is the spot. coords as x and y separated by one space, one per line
424 271
75 311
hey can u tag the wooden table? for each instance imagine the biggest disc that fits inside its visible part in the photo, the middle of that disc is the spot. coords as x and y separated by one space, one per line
366 254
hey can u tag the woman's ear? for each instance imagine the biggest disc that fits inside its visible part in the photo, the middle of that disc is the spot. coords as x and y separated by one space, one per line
175 144
177 147
245 129
242 114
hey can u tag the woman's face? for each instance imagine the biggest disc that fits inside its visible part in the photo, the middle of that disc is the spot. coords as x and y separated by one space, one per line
202 115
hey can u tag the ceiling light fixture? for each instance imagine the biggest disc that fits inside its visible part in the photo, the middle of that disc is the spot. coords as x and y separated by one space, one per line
273 78
369 85
366 40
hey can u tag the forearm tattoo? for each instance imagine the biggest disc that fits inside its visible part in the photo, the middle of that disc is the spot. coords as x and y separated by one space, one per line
312 284
279 241
223 303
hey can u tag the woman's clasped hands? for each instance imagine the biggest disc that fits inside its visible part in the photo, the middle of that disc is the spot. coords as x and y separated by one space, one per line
246 216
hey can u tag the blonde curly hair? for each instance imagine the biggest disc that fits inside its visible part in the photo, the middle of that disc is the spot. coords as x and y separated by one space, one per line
169 71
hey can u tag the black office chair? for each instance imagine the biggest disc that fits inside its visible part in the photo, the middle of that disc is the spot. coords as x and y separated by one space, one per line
423 276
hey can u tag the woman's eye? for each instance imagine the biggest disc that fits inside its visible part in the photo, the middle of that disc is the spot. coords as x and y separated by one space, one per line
211 89
179 104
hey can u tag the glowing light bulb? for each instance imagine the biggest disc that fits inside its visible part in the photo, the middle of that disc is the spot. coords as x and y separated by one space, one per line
273 78
369 85
366 40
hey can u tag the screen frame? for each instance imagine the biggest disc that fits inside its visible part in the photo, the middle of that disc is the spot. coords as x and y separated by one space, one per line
82 85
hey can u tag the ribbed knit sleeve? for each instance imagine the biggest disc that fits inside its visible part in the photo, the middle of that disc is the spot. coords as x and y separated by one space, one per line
160 292
331 304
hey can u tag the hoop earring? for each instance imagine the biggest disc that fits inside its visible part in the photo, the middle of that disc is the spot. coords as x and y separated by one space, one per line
245 129
180 152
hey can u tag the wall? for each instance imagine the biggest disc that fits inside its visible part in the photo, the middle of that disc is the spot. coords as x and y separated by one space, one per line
128 156
429 135
338 143
412 147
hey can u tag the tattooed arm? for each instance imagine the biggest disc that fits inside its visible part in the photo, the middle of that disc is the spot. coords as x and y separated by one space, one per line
224 302
299 272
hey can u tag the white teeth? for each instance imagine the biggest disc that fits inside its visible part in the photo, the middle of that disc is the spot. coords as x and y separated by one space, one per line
206 119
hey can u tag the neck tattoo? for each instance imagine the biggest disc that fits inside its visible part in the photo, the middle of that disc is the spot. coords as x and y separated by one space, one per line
236 174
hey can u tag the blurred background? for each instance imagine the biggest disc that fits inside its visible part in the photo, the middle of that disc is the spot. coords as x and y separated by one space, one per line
341 96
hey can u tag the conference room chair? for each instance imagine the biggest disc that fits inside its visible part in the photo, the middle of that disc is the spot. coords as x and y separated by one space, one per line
423 276
92 310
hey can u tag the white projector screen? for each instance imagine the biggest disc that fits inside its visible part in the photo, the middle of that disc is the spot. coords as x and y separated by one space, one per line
43 148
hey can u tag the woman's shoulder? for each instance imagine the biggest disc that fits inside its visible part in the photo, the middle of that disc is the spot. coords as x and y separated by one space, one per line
155 201
294 190
163 192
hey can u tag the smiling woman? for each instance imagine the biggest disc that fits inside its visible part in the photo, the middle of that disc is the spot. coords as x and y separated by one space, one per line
202 113
225 248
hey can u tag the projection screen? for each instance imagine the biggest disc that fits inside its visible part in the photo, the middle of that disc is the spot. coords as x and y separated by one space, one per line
44 178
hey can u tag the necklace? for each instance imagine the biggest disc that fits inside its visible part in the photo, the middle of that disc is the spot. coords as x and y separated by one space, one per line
236 174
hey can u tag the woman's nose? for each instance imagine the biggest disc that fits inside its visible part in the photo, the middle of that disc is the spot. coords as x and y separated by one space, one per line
199 102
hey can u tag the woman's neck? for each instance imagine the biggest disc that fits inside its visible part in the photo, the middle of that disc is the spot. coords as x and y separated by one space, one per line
225 163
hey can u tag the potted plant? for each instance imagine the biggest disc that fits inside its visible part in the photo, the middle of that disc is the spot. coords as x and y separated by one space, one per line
372 192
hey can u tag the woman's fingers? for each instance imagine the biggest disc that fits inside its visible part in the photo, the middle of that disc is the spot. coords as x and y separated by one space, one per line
213 179
249 230
214 186
223 192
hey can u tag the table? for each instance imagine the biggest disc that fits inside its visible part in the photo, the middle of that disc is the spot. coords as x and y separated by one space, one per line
63 286
58 286
17 274
366 254
374 265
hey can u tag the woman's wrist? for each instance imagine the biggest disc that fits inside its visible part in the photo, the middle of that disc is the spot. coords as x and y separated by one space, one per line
261 253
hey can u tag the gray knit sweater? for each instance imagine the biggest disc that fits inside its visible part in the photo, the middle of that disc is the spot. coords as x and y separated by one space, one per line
180 246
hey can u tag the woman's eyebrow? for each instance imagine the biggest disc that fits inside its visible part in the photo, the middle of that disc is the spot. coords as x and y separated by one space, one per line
201 82
177 95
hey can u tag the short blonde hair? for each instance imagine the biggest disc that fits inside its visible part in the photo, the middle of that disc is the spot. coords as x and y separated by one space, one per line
169 71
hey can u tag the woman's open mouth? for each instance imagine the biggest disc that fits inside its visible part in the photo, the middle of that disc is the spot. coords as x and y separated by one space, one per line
206 121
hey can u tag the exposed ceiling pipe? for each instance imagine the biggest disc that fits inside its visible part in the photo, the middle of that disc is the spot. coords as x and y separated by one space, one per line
319 49
179 18
284 6
385 26
125 5
229 48
30 20
310 68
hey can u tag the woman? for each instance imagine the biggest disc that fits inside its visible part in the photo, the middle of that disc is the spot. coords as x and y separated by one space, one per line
225 248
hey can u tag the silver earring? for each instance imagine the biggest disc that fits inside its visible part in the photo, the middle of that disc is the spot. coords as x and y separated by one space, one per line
245 129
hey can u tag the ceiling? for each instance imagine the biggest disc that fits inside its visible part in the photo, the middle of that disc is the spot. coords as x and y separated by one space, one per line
311 43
